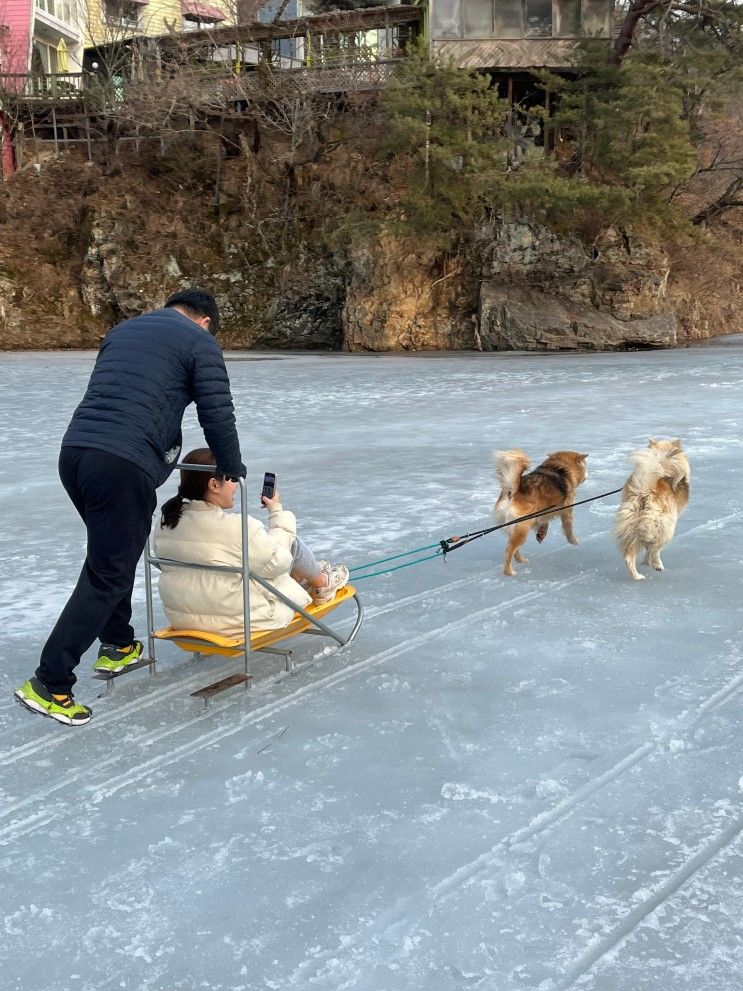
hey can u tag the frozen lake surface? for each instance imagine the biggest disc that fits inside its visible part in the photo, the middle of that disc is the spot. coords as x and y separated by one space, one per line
508 784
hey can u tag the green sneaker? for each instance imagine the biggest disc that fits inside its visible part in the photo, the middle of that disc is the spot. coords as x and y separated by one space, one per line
112 659
34 695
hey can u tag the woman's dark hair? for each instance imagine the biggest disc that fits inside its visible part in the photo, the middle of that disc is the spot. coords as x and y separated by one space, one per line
193 486
197 303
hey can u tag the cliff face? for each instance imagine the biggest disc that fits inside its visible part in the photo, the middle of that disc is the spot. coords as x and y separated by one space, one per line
399 299
543 292
81 250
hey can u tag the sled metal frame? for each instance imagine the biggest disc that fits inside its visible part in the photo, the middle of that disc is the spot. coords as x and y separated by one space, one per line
202 644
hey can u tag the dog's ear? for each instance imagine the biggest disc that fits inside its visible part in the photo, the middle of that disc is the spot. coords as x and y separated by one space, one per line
582 457
677 443
652 442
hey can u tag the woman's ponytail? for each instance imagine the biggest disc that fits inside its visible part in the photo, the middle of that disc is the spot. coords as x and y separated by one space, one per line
172 511
193 486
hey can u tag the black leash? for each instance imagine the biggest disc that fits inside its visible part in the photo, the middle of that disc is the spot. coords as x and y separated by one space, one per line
454 543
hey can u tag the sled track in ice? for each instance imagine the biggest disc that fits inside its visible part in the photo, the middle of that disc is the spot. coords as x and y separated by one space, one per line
394 926
577 971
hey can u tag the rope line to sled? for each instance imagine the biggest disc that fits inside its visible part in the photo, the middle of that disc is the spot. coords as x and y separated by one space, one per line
454 543
397 567
394 557
450 544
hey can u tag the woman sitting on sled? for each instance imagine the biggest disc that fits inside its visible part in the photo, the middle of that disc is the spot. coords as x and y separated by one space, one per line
196 527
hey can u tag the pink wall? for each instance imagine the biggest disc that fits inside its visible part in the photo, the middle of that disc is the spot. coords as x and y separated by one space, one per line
16 42
15 53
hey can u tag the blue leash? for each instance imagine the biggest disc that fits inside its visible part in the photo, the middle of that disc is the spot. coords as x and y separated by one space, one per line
398 567
453 543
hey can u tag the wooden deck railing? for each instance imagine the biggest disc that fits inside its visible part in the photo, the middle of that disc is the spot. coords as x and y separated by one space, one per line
45 86
364 69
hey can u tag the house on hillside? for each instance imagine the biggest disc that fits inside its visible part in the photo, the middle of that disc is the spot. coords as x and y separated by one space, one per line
49 37
113 26
509 39
131 22
41 36
112 21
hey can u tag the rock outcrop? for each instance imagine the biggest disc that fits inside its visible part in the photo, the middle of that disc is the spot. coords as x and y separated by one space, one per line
82 249
545 292
398 299
513 318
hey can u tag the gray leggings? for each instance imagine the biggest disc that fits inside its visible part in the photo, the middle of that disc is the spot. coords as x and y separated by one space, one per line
304 563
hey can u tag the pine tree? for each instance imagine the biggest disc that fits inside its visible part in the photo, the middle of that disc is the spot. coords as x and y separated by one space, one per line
445 142
627 128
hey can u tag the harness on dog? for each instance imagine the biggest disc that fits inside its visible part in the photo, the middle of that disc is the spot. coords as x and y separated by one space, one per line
555 475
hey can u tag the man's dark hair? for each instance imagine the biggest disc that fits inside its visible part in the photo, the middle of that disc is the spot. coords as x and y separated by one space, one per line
197 303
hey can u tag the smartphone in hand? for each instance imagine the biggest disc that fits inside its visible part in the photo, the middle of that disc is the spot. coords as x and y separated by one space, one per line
269 486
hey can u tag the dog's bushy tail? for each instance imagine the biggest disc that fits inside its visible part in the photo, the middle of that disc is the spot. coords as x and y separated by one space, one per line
652 464
509 467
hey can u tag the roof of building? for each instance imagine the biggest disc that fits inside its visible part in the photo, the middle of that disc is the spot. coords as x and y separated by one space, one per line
341 21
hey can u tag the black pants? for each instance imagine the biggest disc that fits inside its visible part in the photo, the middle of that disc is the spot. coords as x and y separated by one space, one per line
116 500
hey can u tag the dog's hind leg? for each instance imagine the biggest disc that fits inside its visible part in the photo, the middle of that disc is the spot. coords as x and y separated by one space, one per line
630 559
516 539
566 519
518 556
653 557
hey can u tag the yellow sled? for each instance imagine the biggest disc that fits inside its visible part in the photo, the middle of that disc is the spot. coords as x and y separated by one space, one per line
199 642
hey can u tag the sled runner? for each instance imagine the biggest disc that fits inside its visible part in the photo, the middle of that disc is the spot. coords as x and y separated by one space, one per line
203 644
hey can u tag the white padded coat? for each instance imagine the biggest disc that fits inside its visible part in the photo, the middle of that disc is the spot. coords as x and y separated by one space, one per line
211 600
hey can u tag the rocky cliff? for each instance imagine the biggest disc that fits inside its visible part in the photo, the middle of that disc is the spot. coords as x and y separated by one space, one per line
544 292
82 249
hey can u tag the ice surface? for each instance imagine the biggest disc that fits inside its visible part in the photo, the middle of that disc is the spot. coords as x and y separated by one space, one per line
504 783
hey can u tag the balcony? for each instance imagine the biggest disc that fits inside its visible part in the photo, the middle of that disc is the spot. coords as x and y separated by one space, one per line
44 87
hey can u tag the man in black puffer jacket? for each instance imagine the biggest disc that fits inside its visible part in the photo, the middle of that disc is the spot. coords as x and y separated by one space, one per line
122 443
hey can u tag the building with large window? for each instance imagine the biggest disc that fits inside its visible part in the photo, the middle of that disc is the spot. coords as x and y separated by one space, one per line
111 21
42 36
46 37
515 34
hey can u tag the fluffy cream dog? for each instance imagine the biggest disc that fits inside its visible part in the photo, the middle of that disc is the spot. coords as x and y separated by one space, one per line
653 498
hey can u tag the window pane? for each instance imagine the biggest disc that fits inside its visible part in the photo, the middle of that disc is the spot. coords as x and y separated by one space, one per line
596 18
567 18
445 19
539 18
478 18
508 19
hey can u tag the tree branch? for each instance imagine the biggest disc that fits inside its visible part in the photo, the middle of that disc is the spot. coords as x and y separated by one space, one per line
727 201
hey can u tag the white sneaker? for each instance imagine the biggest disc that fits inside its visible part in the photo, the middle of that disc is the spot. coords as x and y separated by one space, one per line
337 575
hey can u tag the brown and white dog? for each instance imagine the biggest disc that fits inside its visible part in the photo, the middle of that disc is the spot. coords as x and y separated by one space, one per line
553 483
653 498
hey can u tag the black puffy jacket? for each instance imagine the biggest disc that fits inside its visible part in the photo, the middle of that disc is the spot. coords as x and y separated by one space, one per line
148 370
